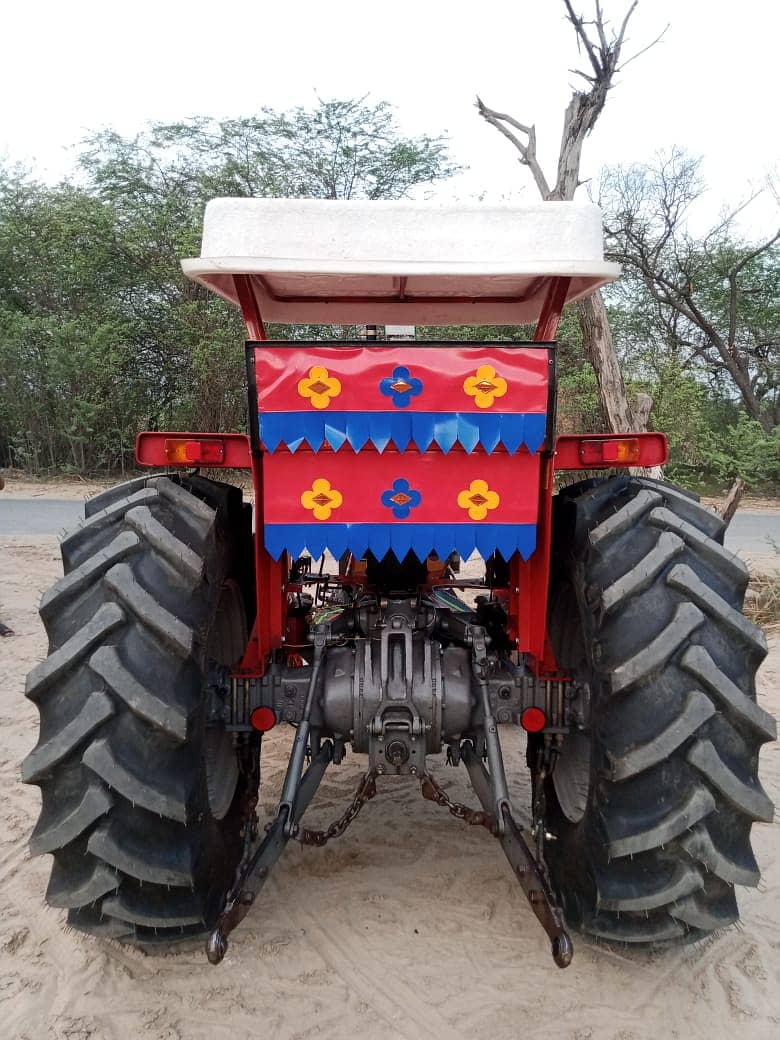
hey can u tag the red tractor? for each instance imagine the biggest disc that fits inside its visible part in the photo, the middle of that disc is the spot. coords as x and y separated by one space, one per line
604 619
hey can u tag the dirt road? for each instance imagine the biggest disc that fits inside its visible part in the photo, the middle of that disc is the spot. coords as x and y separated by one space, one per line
411 926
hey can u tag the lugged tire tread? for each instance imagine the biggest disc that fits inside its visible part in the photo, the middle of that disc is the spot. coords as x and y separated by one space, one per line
625 841
143 702
651 658
752 801
623 519
76 545
158 865
81 577
105 619
93 922
723 560
700 846
687 507
670 804
198 516
625 929
170 802
694 912
166 626
699 663
107 498
173 909
642 575
648 894
76 887
697 710
95 711
125 808
58 828
179 555
686 580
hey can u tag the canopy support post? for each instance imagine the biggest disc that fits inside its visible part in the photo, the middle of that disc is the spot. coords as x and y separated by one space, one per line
249 307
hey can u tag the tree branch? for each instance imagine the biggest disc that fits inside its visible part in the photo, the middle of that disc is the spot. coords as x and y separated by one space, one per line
527 150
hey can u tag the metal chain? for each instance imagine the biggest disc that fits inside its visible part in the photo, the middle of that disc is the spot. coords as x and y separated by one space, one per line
365 792
474 817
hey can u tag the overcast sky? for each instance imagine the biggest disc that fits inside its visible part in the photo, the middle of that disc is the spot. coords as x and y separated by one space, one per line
711 85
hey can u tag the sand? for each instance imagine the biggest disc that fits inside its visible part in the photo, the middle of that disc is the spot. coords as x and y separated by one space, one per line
410 926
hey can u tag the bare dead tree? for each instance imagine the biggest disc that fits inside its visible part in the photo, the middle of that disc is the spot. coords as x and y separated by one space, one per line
713 295
602 47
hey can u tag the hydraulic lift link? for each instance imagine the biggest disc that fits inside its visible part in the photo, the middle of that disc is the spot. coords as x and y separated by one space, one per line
298 790
254 873
522 861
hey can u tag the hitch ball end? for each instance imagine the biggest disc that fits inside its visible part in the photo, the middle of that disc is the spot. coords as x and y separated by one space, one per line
216 946
562 950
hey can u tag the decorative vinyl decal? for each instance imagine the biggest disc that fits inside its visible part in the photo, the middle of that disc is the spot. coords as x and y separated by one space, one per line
401 498
401 387
477 499
485 386
320 388
321 499
410 396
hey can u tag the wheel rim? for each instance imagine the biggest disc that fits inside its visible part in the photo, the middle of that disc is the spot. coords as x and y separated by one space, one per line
226 642
572 774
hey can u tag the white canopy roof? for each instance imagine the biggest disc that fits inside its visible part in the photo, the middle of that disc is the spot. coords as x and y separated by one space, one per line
320 261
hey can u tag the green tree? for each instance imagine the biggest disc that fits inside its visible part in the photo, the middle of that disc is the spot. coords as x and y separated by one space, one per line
100 333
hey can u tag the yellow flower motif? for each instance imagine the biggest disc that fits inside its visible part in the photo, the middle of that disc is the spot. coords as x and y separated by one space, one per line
322 499
319 387
485 386
478 499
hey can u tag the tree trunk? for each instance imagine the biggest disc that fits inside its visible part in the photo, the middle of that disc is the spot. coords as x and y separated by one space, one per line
597 337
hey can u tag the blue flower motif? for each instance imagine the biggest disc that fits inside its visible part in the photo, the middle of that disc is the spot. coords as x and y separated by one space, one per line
401 386
401 498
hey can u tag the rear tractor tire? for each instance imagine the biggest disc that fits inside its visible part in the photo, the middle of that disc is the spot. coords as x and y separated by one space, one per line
652 799
143 798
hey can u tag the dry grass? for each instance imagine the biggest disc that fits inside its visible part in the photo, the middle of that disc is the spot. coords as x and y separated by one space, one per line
762 603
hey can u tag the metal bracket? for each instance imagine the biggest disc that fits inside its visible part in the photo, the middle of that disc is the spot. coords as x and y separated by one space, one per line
522 861
243 893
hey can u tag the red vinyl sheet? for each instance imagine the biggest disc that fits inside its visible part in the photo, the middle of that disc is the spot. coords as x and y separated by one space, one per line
446 378
356 484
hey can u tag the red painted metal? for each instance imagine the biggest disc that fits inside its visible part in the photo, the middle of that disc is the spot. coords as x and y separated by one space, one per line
150 449
271 596
547 326
570 453
270 576
530 579
249 307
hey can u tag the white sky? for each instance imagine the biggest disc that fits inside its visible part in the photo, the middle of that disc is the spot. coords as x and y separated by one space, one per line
73 66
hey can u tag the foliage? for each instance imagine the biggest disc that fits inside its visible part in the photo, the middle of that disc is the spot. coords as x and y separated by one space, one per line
100 333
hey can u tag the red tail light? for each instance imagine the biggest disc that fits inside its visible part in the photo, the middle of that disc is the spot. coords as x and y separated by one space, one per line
195 452
605 450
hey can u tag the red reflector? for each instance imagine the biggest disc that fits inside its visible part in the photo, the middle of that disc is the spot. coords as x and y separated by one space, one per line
191 452
533 720
263 719
610 451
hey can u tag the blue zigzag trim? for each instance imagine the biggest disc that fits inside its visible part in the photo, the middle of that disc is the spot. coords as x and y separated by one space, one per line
422 539
402 428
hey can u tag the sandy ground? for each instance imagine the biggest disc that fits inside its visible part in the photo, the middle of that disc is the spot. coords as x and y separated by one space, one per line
411 926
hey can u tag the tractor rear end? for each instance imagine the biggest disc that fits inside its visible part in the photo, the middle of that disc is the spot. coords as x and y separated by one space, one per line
605 620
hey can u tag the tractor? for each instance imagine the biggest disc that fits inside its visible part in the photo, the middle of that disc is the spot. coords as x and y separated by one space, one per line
602 615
